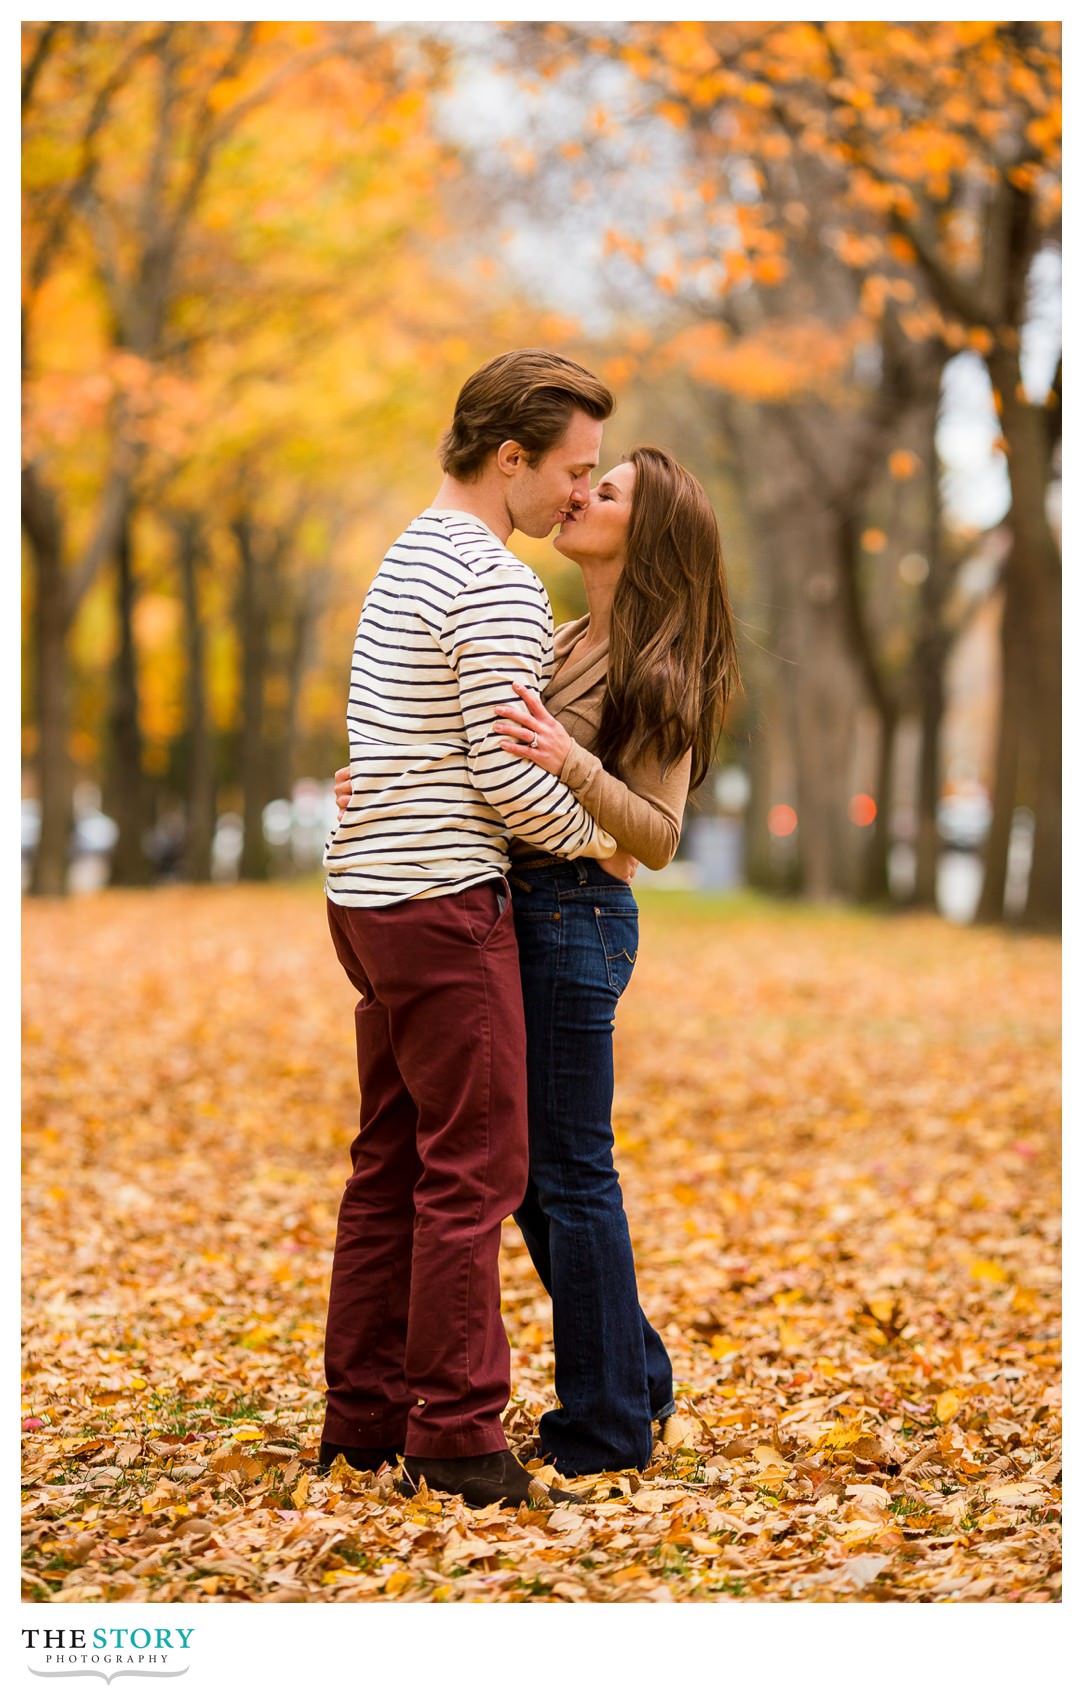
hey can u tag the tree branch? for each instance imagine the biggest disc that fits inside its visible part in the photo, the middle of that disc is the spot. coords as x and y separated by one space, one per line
83 181
42 48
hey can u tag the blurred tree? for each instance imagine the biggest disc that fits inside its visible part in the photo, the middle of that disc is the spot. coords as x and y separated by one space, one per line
242 220
923 160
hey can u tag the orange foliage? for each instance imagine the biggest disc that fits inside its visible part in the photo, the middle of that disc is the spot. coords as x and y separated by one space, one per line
851 1251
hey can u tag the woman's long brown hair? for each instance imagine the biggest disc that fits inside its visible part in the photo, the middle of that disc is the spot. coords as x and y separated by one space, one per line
672 655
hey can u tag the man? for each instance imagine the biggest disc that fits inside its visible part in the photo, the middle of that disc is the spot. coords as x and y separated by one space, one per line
416 1355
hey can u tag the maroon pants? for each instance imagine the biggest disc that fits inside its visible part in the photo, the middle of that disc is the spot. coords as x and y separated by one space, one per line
416 1355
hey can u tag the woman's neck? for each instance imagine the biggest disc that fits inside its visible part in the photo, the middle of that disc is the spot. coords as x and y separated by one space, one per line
601 587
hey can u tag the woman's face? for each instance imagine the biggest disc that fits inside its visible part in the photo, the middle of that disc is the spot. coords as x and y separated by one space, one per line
598 533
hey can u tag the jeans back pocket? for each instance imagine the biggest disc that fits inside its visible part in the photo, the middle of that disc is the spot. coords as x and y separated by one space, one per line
619 931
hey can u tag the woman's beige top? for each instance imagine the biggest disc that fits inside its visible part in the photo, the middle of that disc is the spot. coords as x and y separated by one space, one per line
643 815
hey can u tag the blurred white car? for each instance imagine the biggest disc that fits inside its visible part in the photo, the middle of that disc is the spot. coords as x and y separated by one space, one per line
963 820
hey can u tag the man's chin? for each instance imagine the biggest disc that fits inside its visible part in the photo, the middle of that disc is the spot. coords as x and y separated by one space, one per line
536 528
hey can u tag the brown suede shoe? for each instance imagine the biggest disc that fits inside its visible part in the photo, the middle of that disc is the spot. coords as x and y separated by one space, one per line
486 1478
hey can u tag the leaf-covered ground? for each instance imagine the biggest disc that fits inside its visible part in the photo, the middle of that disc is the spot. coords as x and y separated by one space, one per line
838 1137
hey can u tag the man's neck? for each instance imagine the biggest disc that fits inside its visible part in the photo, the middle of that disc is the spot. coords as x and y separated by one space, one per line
480 499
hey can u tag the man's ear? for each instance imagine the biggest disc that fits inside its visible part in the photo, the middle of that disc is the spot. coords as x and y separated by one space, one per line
511 458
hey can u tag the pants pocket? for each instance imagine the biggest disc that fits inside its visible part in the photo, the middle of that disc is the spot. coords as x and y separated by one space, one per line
619 932
484 908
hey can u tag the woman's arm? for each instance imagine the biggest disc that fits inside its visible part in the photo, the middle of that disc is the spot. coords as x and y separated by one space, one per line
644 817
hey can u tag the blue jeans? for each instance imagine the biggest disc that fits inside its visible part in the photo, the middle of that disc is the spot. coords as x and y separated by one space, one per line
578 933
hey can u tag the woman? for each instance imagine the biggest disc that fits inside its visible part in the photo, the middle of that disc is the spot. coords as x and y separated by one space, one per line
635 706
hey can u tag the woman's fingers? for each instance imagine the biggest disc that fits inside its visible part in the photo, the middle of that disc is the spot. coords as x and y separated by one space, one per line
528 696
538 711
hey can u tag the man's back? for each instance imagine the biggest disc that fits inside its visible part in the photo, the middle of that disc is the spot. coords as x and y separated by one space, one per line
450 620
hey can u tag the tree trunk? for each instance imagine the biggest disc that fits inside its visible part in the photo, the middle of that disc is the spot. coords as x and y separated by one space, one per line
758 870
126 789
873 879
824 704
200 787
1014 644
875 885
51 622
1033 575
929 661
252 618
931 649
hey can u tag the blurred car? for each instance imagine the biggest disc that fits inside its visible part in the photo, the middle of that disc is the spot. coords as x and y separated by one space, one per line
93 833
962 820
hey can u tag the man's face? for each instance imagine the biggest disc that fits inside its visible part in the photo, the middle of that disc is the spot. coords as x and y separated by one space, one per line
538 497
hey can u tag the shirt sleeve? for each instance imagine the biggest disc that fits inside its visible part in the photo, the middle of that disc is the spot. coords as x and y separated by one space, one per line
498 631
645 819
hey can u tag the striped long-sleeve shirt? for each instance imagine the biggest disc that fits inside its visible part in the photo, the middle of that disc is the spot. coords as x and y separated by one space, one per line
451 619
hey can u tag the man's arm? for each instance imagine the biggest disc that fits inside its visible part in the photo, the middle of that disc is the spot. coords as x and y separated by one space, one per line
497 630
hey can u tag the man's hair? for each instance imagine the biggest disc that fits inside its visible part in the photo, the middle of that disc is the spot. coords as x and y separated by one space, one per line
526 396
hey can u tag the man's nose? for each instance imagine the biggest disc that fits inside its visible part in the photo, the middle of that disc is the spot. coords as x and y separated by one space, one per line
580 495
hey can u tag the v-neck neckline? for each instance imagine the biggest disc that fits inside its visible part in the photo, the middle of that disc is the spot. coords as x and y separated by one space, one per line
572 677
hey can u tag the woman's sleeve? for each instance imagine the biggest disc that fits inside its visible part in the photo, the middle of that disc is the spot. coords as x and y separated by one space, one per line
645 820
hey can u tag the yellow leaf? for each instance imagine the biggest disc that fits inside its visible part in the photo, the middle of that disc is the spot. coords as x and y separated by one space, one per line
397 1581
768 1455
676 1430
947 1405
772 1477
299 1494
138 1383
840 1435
723 1344
987 1269
631 1573
860 1531
700 1543
1018 1493
257 1337
788 1297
